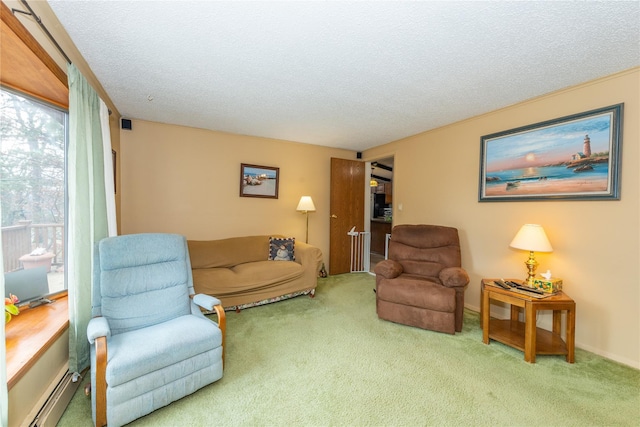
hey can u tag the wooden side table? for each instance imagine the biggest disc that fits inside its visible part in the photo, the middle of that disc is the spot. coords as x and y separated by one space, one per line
526 336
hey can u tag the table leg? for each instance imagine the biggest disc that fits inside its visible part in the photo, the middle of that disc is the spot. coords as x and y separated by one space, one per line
485 316
571 334
481 304
529 333
515 313
557 321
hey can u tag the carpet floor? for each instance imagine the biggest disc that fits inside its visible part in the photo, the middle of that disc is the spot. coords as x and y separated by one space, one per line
329 361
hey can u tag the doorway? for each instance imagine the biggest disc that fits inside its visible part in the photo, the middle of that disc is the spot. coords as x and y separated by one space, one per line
347 210
381 207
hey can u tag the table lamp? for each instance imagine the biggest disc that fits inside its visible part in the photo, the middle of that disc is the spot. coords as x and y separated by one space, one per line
532 238
305 206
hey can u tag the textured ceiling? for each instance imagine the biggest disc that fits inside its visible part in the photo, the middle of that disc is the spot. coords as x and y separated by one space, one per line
343 74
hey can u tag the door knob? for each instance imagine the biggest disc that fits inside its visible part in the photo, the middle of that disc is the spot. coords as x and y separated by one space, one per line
334 216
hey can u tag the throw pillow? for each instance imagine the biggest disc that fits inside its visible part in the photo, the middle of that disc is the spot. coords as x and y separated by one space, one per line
282 249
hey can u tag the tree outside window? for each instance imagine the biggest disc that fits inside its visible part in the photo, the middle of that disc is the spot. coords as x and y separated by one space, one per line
32 180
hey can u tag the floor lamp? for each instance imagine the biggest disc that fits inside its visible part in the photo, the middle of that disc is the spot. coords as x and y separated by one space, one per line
305 206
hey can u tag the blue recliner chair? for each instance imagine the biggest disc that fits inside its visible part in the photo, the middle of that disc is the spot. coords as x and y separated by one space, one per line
150 344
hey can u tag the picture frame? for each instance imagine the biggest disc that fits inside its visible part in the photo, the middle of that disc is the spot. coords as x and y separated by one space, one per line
576 157
259 181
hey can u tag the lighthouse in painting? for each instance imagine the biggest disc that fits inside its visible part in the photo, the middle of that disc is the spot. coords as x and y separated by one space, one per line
586 147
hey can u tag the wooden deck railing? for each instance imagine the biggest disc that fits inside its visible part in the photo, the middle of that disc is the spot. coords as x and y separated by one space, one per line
21 239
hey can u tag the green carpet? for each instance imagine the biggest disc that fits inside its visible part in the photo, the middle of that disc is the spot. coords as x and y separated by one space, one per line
330 361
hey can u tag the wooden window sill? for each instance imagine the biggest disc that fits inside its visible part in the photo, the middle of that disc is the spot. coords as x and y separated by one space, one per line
31 333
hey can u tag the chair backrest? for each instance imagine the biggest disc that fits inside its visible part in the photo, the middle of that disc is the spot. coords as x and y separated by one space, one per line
141 280
425 250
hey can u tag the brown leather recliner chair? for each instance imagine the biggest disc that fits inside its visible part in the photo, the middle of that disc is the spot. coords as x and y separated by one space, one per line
422 283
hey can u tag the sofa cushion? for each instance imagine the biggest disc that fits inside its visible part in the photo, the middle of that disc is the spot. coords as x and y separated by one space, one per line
222 282
282 249
227 252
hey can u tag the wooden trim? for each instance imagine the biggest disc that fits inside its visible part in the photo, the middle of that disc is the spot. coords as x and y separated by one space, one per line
30 334
222 324
46 14
32 44
101 381
21 90
43 10
25 65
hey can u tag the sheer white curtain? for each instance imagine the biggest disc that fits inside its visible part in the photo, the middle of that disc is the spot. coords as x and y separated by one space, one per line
90 186
109 182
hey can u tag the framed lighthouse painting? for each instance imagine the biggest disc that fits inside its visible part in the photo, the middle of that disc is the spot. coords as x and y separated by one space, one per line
571 158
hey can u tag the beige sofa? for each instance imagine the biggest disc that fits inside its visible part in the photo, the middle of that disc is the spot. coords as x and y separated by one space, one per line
237 271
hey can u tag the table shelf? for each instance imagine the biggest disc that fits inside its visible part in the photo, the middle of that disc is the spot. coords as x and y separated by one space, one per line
512 333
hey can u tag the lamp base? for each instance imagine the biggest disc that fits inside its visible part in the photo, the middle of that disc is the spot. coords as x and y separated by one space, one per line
531 264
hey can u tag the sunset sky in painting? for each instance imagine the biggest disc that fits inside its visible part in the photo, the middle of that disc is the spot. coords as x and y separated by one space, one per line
547 145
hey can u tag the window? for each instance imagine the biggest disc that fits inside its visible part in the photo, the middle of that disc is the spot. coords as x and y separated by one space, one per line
32 191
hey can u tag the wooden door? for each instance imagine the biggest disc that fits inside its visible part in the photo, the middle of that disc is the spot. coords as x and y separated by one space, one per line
347 210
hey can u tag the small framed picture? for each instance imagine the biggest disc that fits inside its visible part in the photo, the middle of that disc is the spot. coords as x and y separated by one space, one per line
259 181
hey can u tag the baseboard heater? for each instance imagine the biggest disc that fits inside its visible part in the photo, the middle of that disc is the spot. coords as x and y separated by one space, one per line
56 401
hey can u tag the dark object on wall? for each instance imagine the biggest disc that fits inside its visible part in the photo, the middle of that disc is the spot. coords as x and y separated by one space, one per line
358 155
126 124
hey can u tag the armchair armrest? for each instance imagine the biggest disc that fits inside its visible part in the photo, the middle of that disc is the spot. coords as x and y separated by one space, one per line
98 331
206 301
211 303
388 269
453 277
98 327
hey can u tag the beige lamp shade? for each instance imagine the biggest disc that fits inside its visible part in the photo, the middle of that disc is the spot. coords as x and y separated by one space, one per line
306 205
531 237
